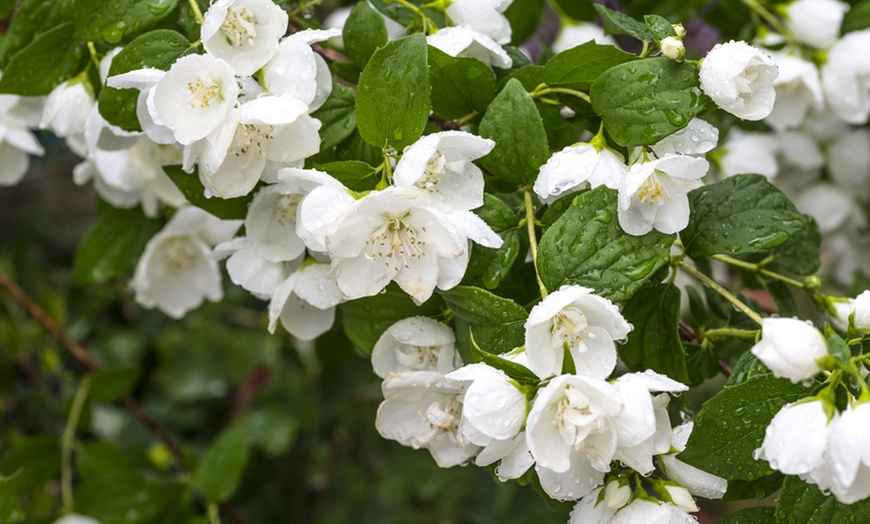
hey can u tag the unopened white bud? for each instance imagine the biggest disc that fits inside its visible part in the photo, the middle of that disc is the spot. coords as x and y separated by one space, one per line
861 311
681 498
616 495
673 48
680 30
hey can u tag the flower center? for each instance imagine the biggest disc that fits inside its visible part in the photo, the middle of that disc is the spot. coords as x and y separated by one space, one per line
575 419
435 167
178 255
285 209
444 414
240 27
744 81
569 329
202 93
652 190
252 138
419 358
397 244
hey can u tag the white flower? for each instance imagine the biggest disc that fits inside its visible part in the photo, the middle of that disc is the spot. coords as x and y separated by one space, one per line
654 194
175 273
739 78
790 348
848 456
849 161
815 22
681 498
67 107
650 512
423 409
76 519
672 48
144 80
575 318
798 90
465 41
416 344
572 35
698 482
396 235
17 115
750 153
484 16
494 408
244 33
194 97
305 302
698 138
796 440
616 494
589 510
296 70
861 312
513 456
441 164
831 207
572 168
326 200
846 77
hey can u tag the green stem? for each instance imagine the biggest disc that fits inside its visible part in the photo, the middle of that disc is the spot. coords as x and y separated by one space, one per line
67 442
303 6
729 332
758 268
538 93
533 239
427 22
388 168
214 515
774 22
712 284
197 14
646 49
466 119
93 51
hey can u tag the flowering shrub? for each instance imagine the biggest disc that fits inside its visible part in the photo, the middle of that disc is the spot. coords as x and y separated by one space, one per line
508 224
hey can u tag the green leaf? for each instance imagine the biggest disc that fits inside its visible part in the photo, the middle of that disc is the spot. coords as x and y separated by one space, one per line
31 19
616 23
759 488
802 503
659 27
157 49
654 343
223 463
578 67
392 102
498 322
36 459
488 265
366 319
701 364
837 347
50 59
363 32
116 21
731 425
337 116
354 174
857 18
113 384
10 507
192 189
513 121
586 246
112 245
460 85
643 101
577 9
408 17
800 254
524 17
757 515
518 372
741 214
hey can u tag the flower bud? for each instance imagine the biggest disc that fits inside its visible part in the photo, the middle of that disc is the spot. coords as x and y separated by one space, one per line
680 30
616 494
681 498
739 78
861 312
790 348
673 48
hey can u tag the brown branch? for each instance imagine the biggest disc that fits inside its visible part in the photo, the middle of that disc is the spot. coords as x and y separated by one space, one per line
257 380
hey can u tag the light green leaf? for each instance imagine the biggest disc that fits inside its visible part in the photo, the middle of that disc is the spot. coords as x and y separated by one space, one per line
515 125
739 215
116 21
112 245
460 85
659 27
643 101
586 246
223 463
392 102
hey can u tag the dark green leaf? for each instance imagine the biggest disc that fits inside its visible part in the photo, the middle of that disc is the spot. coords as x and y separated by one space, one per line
659 27
577 9
354 174
837 347
701 364
36 459
781 294
366 319
112 245
347 71
223 463
746 367
757 515
498 322
113 384
857 18
578 67
800 253
157 49
731 425
643 101
10 508
741 214
489 265
460 85
513 121
586 246
363 32
392 103
759 488
802 503
654 343
518 372
31 19
616 23
50 59
116 21
192 189
524 16
337 116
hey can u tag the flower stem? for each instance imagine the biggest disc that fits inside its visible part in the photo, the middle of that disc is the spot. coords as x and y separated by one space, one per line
303 6
533 239
197 14
729 332
769 17
67 442
93 51
464 120
758 268
712 284
214 515
541 91
427 22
